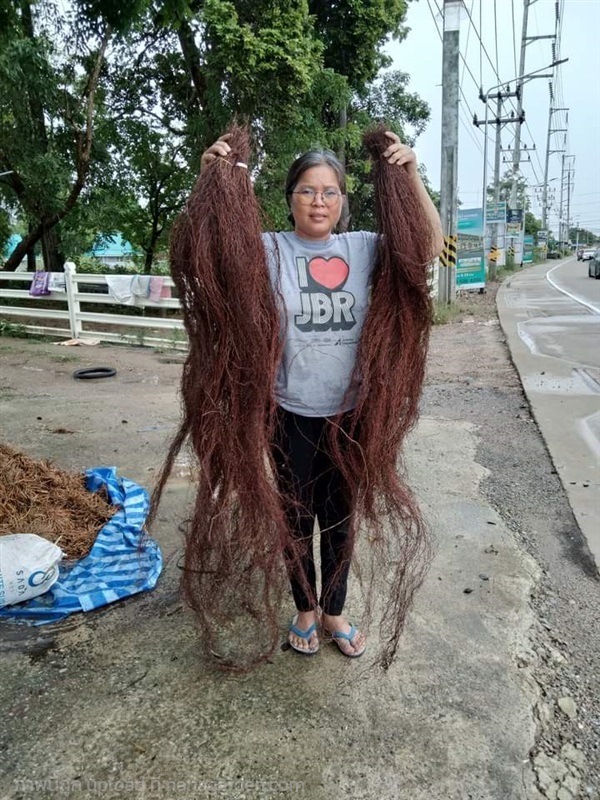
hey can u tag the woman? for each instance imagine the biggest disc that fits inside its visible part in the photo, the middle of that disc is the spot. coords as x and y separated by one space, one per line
323 282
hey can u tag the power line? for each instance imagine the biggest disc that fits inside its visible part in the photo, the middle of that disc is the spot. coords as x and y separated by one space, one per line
466 127
483 48
465 65
466 51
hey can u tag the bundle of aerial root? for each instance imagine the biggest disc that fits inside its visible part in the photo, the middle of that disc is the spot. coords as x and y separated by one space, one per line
237 536
39 497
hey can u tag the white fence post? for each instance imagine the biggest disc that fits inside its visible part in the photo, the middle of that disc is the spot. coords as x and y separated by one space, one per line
72 301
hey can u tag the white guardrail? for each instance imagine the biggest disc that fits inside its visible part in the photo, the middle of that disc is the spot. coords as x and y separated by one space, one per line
140 330
68 289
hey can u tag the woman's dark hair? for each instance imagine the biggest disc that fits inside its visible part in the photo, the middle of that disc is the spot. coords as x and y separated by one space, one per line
316 157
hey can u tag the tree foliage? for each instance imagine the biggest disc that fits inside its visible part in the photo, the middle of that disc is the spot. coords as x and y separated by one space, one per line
49 79
109 106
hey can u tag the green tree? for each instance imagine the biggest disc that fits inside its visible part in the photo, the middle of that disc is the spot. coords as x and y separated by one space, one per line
532 224
583 236
354 33
505 189
49 97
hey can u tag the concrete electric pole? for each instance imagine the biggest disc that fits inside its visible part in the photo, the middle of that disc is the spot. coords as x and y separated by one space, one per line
549 152
517 147
449 154
498 122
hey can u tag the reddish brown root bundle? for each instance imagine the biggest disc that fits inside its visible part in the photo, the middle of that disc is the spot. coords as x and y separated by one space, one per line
39 497
235 539
237 535
391 367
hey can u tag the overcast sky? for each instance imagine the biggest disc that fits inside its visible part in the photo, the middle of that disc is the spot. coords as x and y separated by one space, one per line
577 88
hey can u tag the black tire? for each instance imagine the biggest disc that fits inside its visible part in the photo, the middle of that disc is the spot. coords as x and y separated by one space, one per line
94 372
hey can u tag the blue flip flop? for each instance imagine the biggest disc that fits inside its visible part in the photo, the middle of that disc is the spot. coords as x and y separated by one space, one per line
303 635
336 635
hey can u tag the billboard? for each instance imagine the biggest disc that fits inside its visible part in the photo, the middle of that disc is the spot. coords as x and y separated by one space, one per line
528 249
470 261
514 232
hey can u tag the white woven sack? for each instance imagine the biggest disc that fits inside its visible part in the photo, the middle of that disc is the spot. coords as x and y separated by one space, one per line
28 567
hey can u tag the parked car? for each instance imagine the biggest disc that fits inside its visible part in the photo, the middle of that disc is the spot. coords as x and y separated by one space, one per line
594 265
587 253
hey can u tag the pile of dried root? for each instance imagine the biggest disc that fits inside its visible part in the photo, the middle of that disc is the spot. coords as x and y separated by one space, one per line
38 497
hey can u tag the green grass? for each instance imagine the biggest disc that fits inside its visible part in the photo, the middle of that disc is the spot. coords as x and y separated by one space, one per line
444 313
13 329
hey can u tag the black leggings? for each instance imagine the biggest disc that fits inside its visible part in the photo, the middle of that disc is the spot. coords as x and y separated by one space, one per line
307 475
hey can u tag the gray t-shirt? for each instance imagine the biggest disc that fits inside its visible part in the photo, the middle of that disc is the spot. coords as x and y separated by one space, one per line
325 290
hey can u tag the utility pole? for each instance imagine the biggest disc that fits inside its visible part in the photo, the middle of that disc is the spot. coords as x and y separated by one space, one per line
517 150
561 218
498 122
570 173
525 40
549 152
560 208
449 155
498 148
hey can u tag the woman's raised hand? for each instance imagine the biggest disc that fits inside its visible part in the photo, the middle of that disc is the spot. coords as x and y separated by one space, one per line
220 149
400 154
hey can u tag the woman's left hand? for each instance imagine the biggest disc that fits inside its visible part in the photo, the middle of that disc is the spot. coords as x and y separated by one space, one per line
400 154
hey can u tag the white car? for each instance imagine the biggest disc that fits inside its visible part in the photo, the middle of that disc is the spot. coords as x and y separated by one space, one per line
588 253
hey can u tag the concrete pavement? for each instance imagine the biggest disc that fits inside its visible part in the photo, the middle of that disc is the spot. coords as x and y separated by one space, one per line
122 703
554 340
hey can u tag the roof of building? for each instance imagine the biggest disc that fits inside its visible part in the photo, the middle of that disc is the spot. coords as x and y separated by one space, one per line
114 246
13 241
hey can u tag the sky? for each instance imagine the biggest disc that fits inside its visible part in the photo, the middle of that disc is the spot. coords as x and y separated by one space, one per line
577 88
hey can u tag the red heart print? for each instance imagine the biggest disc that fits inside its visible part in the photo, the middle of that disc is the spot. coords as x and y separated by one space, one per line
329 272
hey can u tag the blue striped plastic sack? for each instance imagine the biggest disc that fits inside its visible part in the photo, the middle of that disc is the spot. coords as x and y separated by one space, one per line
122 562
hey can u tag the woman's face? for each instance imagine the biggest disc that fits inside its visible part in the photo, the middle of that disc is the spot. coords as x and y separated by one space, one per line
315 217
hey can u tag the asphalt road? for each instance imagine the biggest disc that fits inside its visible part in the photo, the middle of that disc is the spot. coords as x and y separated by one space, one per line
571 277
551 317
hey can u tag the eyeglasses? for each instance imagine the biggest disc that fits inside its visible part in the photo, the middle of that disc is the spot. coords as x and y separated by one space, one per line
307 196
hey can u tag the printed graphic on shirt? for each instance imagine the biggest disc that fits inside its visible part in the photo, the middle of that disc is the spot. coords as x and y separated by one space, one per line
325 306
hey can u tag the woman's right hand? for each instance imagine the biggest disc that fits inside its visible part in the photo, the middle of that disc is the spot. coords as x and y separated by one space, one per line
220 149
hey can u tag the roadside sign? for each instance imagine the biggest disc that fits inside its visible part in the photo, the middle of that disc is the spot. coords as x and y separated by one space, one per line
514 221
527 249
470 265
495 212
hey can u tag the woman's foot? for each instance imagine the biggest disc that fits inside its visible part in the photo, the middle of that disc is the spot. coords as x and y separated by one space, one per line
351 641
301 637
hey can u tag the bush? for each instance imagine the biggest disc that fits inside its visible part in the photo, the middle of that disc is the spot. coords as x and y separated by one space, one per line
91 266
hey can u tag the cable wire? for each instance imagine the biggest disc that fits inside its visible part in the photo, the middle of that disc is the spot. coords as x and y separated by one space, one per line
465 126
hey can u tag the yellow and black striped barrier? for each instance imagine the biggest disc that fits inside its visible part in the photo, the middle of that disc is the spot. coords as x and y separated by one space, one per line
448 254
511 251
494 254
